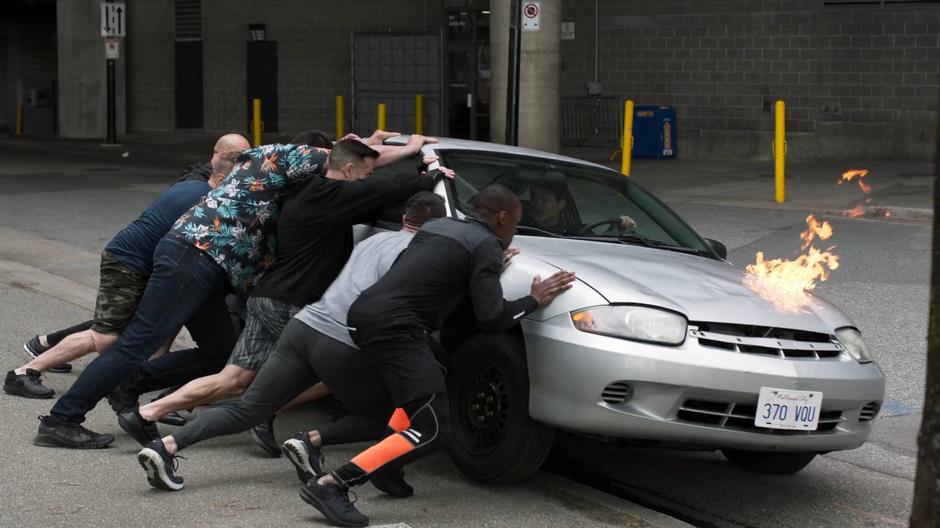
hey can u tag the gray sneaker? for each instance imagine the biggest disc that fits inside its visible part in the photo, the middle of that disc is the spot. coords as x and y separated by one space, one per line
27 385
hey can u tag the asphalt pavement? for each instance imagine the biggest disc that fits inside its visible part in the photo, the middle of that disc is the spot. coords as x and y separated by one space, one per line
61 201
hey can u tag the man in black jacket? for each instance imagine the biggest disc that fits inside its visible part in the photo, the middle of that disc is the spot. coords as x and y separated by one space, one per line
448 261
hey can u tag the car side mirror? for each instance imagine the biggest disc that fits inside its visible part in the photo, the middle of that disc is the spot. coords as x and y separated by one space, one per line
718 248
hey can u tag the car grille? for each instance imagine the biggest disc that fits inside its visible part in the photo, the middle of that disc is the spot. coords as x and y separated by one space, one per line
741 416
869 411
616 392
766 341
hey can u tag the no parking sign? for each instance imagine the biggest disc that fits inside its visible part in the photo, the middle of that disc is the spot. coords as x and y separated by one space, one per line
531 13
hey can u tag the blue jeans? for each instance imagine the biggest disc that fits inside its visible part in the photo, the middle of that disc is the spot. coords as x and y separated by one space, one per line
185 288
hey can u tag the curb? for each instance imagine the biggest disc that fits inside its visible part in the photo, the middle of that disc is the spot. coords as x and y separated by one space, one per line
555 486
888 213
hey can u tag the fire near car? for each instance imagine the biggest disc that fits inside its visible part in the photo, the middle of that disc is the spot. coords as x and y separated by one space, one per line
659 339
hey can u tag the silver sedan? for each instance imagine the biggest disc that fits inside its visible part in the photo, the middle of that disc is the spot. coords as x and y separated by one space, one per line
659 340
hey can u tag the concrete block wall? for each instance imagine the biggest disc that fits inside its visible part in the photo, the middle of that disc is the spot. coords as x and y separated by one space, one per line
860 81
313 53
150 76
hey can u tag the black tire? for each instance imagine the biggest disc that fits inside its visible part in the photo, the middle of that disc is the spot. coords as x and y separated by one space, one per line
493 439
781 463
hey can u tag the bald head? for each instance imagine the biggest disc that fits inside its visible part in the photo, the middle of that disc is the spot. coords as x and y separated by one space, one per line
231 143
226 150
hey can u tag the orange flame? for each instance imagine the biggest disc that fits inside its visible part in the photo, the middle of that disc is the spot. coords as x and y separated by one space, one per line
854 212
856 173
786 283
814 229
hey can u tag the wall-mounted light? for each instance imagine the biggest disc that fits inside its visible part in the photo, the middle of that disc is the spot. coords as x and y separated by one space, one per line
257 32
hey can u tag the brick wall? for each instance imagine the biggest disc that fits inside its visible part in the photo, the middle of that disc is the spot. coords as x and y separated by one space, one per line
858 81
148 56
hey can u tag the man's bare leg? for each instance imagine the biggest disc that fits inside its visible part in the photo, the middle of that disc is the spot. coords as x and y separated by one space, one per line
71 348
313 393
229 383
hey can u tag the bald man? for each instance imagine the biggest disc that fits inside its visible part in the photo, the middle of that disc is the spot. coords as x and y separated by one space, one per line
126 264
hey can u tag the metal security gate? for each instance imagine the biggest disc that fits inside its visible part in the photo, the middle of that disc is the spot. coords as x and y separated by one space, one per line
392 68
591 121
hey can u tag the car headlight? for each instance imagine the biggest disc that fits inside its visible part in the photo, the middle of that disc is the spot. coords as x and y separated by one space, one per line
852 340
638 323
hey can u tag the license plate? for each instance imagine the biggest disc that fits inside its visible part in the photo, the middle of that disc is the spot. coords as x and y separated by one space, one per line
788 409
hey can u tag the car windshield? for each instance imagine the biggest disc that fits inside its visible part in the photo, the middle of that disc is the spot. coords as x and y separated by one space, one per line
568 200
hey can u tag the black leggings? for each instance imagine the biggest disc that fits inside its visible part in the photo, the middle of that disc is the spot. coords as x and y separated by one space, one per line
303 357
429 432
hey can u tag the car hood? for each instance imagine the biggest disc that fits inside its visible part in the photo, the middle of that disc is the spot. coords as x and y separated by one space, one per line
701 288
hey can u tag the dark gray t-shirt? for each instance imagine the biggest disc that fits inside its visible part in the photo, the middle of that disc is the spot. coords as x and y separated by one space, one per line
370 260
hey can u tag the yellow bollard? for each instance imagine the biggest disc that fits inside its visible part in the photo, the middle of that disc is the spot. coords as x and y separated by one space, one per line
419 114
339 118
19 120
626 144
381 118
256 124
780 151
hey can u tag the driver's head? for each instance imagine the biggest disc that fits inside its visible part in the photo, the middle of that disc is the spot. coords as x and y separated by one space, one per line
500 209
547 203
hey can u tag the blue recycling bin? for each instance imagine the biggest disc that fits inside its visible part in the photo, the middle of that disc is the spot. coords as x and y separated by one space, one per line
654 132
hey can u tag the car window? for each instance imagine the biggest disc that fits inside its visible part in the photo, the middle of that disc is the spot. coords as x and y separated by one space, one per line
571 200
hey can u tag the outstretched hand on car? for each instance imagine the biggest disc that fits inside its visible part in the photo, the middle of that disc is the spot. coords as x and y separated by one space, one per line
545 291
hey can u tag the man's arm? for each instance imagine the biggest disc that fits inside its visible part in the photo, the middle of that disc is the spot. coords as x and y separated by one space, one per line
360 201
389 154
493 312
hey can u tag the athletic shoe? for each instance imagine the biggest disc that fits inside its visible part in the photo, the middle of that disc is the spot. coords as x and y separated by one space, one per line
140 429
56 433
27 385
122 400
263 434
391 481
306 458
333 502
34 348
160 466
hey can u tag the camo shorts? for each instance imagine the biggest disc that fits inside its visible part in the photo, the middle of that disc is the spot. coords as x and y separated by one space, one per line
119 291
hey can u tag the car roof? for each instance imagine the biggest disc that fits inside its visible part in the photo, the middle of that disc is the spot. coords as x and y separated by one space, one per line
482 146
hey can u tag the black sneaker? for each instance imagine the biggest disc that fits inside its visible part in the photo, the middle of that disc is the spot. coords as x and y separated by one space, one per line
263 434
160 466
56 433
123 400
174 418
333 502
391 481
34 348
140 429
27 385
306 458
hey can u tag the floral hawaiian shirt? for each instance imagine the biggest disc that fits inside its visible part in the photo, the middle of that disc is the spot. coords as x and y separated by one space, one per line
234 223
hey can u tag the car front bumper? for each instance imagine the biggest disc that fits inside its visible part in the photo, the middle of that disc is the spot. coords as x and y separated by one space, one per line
690 394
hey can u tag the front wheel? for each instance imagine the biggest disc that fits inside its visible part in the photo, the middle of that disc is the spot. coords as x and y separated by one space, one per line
493 439
782 463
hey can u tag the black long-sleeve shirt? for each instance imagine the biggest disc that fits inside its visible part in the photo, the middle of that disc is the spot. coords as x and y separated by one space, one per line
315 235
446 262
